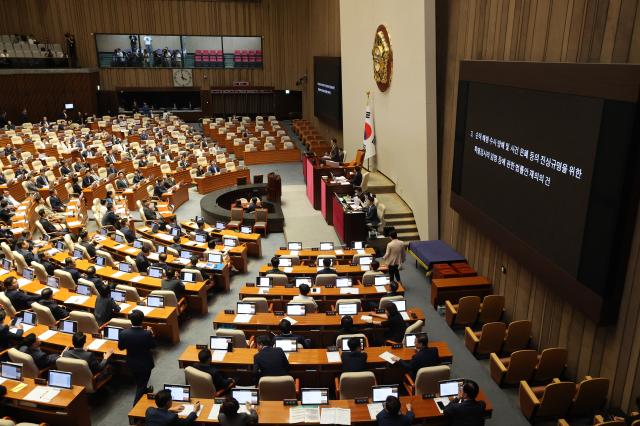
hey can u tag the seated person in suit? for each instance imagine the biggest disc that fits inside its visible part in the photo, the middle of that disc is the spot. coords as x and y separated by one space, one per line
327 269
8 337
47 225
150 213
31 345
110 218
137 177
41 180
86 242
269 361
204 364
391 415
285 331
162 262
304 290
88 180
159 188
56 203
46 299
171 282
424 357
70 267
65 169
142 262
229 415
166 415
371 212
201 230
106 308
346 325
19 299
79 341
5 213
275 262
121 182
356 179
355 360
393 323
176 244
213 167
465 409
77 189
29 255
129 235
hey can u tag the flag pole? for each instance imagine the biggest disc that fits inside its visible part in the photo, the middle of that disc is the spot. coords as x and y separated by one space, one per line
365 148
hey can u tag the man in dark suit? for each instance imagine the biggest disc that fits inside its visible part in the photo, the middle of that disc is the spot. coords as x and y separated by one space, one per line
138 342
213 167
204 364
354 360
326 263
42 181
48 227
87 243
465 410
162 262
137 177
269 361
78 352
164 415
29 255
110 218
31 346
171 282
70 267
65 169
285 331
18 298
149 212
87 180
46 299
159 189
142 263
391 415
56 203
129 235
121 182
275 263
5 213
424 356
45 261
356 179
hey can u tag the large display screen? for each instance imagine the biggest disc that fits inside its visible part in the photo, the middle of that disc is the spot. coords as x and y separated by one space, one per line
549 174
327 89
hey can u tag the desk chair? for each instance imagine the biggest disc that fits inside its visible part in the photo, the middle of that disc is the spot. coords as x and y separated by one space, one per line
279 279
511 370
7 305
518 336
201 383
19 262
69 242
120 322
86 322
130 261
81 374
238 338
491 308
131 293
347 301
8 253
414 328
490 339
310 306
44 315
387 300
464 313
326 279
355 385
427 380
342 337
83 249
591 395
89 284
262 306
196 272
552 362
66 280
107 256
6 421
29 367
261 221
551 401
237 217
170 299
295 260
278 388
40 272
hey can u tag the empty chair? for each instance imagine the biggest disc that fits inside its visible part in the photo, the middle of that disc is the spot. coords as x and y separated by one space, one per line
6 250
355 385
427 379
196 273
511 370
170 299
43 314
464 313
7 305
310 306
237 216
261 303
120 322
131 293
278 388
107 256
357 302
551 363
66 280
342 337
326 279
86 322
591 395
261 221
238 338
81 374
491 309
518 336
550 402
279 279
201 383
490 339
40 272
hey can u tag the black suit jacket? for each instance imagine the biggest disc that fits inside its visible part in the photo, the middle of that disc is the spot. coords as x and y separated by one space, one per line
219 380
465 413
75 274
128 234
354 361
142 263
64 170
91 249
48 226
271 361
122 184
87 180
426 357
94 365
21 300
395 328
158 190
42 181
105 309
110 218
58 311
137 178
56 203
174 285
7 337
149 214
138 343
28 256
161 417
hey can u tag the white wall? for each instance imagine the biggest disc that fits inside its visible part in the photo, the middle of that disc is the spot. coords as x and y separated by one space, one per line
405 115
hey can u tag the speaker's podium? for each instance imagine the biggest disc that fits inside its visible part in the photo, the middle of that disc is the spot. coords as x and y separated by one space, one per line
349 223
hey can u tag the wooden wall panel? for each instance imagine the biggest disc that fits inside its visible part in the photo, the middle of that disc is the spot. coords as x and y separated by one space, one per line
542 30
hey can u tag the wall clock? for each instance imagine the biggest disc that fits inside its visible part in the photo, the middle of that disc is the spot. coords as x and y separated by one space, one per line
183 77
382 56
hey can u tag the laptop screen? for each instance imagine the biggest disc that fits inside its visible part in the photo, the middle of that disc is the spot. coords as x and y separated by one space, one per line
304 280
220 225
53 281
347 309
118 296
311 396
155 301
345 344
246 308
296 309
59 379
180 393
27 273
381 279
60 246
244 395
229 242
343 282
286 344
155 272
83 289
138 244
111 333
11 371
285 262
68 327
450 387
188 277
400 304
215 257
365 260
201 238
294 246
217 343
263 281
118 238
185 254
124 267
7 264
175 231
101 260
29 317
326 246
161 249
380 393
77 254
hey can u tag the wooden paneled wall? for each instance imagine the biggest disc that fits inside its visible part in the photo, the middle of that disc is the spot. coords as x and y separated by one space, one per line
324 40
553 31
283 24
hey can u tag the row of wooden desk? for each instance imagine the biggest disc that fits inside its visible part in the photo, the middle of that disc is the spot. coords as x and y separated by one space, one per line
253 241
211 183
275 156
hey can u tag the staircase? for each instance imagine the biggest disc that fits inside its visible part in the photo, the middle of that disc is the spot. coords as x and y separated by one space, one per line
397 213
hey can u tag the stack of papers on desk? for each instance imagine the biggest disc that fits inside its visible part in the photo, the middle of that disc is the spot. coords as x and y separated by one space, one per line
302 414
365 268
388 356
288 269
52 251
339 252
123 306
137 278
291 320
77 300
294 252
405 316
263 290
333 357
188 409
117 274
3 271
181 260
218 355
95 344
119 246
335 416
132 250
23 281
349 290
215 411
374 409
361 251
25 328
42 394
366 318
47 335
381 289
75 223
144 309
242 318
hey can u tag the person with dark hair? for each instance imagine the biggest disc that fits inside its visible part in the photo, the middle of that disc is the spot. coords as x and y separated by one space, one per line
86 242
424 356
28 255
354 360
356 179
8 337
465 410
204 365
159 188
149 212
275 262
96 280
110 218
19 299
75 186
129 235
121 182
46 299
106 308
165 415
393 322
56 203
137 177
48 227
70 267
173 283
304 290
31 345
394 255
391 415
346 325
142 262
138 342
78 352
285 331
202 231
327 269
162 262
176 244
269 361
5 213
229 415
88 179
